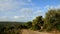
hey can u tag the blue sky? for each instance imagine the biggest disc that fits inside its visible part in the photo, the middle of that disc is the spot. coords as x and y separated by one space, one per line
25 10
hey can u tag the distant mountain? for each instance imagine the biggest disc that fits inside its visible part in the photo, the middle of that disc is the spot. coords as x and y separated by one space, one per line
10 23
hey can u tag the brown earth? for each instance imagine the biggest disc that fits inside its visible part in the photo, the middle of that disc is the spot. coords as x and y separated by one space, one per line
25 31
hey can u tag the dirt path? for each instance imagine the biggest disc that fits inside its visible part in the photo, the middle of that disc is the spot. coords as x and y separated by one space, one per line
33 32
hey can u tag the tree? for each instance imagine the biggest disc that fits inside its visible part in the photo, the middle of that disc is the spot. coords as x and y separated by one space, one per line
52 19
37 23
28 24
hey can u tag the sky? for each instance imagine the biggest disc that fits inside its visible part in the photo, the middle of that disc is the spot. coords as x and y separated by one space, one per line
25 10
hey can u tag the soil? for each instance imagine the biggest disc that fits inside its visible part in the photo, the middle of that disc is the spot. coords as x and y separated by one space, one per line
25 31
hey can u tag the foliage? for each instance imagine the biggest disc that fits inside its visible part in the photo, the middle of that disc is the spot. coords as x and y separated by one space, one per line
37 23
9 29
52 18
28 24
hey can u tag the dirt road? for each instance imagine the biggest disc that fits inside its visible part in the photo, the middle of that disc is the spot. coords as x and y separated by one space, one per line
34 32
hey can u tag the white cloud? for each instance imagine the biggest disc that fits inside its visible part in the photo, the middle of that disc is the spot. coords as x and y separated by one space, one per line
52 7
26 0
6 5
29 0
26 10
18 17
12 18
11 6
38 12
3 17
